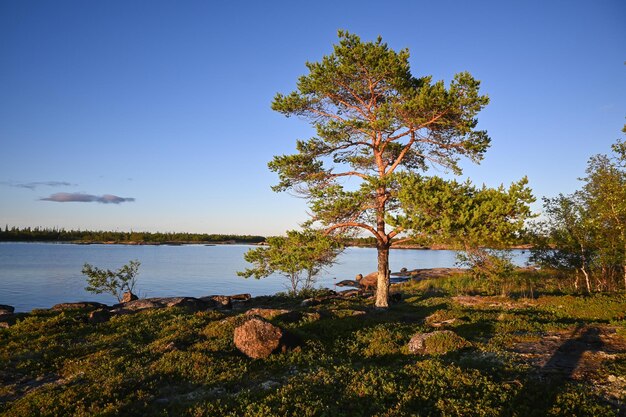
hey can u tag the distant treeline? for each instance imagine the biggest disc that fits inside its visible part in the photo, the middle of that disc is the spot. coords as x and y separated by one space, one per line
40 234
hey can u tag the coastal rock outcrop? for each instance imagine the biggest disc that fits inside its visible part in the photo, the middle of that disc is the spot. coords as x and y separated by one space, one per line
190 303
81 305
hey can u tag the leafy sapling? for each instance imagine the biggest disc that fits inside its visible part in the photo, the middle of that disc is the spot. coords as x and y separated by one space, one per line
299 256
117 283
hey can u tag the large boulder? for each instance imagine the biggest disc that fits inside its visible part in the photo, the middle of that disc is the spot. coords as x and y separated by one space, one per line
369 281
258 339
436 343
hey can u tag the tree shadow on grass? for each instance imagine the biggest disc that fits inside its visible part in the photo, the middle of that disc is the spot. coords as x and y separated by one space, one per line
540 392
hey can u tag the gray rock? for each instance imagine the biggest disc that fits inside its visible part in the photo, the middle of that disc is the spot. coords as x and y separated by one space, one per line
310 302
267 385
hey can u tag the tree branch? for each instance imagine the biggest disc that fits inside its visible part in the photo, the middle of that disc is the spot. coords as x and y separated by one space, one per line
397 242
395 232
402 153
347 174
352 224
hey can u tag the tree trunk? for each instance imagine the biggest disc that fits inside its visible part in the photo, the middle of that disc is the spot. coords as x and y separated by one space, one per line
382 287
584 271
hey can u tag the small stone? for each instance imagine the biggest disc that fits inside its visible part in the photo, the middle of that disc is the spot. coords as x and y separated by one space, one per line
216 391
267 385
309 302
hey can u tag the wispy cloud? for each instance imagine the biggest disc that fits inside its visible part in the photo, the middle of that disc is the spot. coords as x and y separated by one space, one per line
35 184
87 198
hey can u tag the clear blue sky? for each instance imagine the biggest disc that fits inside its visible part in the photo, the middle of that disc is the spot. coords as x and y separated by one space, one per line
168 103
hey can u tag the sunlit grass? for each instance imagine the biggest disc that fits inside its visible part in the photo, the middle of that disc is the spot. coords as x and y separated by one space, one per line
353 361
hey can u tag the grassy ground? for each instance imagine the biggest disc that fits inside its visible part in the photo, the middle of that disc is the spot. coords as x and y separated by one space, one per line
557 355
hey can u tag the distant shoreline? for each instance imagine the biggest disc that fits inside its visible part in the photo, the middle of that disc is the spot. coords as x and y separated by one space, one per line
235 242
131 243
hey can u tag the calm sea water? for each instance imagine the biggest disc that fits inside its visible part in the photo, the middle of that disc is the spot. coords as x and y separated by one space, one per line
39 275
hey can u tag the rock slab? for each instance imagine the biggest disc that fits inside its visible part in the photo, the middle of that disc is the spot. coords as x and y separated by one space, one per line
266 313
81 305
